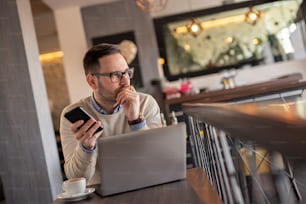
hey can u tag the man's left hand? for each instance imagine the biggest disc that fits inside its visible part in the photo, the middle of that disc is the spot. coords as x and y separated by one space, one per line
129 98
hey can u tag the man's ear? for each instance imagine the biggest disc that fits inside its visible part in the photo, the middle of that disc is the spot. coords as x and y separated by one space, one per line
91 80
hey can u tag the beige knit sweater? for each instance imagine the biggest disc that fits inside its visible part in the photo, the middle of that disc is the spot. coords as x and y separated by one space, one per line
81 164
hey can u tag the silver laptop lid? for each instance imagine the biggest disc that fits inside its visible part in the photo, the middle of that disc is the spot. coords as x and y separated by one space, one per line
143 158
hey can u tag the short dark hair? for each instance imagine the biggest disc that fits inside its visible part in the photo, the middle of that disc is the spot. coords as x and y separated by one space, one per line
91 58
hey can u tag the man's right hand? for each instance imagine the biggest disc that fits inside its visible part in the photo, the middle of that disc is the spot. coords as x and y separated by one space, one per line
86 135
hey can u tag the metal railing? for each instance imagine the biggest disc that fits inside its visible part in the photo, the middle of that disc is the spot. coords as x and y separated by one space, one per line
241 168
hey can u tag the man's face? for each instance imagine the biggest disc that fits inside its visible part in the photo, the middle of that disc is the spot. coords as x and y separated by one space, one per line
106 89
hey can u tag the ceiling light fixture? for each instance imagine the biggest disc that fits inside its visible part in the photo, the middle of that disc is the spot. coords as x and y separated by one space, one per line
194 28
252 16
210 24
51 56
151 5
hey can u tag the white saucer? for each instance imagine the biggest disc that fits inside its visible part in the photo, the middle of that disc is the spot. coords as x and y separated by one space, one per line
75 197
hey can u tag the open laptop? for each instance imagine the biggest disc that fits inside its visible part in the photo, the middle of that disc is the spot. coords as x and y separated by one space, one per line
142 158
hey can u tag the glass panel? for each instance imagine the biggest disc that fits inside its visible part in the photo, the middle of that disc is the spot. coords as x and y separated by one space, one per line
230 39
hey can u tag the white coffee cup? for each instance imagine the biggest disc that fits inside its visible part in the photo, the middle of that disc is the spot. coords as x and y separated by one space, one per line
74 186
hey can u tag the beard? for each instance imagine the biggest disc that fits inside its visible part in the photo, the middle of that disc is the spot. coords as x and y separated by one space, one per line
106 95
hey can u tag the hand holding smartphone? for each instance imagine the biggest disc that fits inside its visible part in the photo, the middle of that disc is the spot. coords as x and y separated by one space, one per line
79 113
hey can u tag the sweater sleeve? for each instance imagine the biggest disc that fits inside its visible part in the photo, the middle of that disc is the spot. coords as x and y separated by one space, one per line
78 163
151 112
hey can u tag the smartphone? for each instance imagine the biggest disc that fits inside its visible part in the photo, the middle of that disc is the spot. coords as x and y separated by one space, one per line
79 113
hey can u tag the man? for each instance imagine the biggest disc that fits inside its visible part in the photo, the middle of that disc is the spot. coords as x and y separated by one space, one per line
115 105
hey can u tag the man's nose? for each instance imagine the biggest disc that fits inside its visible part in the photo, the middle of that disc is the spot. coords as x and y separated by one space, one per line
125 78
125 75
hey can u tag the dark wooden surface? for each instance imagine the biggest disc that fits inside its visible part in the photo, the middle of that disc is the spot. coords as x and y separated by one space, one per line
280 127
283 84
194 189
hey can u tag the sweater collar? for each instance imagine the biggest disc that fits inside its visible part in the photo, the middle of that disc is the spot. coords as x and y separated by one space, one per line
100 109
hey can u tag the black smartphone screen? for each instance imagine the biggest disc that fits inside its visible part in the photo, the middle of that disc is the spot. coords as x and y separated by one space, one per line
79 113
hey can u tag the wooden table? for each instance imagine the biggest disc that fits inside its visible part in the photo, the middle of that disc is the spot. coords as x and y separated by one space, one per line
194 189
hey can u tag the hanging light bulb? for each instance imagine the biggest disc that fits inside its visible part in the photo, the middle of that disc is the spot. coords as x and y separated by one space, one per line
194 28
252 16
151 5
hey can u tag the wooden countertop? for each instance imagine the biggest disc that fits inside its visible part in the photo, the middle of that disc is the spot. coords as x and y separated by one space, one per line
196 188
282 84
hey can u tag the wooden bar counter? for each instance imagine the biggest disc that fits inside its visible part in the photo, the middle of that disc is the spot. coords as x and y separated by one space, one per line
276 86
192 190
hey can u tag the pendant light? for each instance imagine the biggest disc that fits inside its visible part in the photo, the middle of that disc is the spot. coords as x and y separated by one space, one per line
194 28
252 16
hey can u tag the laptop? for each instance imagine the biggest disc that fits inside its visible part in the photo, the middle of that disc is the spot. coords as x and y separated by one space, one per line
141 159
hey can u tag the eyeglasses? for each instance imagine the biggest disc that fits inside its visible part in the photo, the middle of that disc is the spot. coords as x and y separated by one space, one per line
117 76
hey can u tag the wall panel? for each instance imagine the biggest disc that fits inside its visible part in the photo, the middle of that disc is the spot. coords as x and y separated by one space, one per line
28 173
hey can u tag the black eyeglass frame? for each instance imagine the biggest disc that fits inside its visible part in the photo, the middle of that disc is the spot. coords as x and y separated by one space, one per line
118 75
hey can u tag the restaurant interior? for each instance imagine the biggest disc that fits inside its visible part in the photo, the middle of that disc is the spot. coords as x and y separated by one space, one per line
232 70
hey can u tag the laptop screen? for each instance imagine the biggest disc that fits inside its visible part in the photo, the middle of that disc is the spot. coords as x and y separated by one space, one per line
142 158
